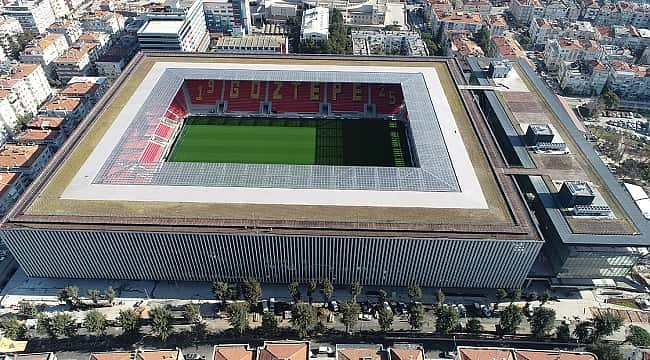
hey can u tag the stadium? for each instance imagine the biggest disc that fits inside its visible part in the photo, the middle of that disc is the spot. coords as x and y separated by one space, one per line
196 167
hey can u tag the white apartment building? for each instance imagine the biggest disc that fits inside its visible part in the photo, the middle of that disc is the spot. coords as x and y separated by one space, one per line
34 16
541 30
481 7
406 43
29 85
44 51
175 29
456 20
71 29
74 62
525 10
583 78
564 49
60 8
9 29
629 81
315 24
9 105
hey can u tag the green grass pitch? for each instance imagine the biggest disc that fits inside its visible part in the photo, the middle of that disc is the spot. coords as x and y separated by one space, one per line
291 142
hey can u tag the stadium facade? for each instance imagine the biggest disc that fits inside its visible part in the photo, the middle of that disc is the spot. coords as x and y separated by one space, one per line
112 205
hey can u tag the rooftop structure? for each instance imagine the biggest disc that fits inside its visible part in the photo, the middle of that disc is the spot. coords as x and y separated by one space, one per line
180 29
284 350
388 42
315 24
477 353
252 44
116 174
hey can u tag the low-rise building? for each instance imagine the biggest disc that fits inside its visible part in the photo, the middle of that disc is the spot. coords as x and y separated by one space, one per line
582 77
629 81
50 123
72 109
24 159
481 353
74 62
285 350
252 44
88 89
100 39
51 138
234 352
505 47
461 45
11 186
45 51
360 352
482 7
388 43
456 20
315 24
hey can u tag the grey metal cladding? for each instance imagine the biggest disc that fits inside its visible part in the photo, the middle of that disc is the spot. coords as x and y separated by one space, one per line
469 263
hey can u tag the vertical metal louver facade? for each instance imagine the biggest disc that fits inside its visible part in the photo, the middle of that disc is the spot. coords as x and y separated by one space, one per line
475 263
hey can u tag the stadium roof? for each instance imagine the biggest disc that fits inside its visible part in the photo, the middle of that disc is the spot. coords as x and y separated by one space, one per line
476 197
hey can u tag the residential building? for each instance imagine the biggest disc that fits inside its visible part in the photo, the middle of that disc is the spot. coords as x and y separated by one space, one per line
60 8
34 16
461 45
525 10
388 43
9 29
456 21
315 24
360 352
233 352
582 77
110 65
565 49
583 30
481 353
51 138
405 352
89 89
505 47
252 44
284 350
50 123
72 109
100 39
139 354
482 7
71 29
561 10
10 108
103 21
74 62
11 186
432 5
541 30
175 29
376 14
227 17
613 52
619 13
25 159
45 51
629 81
30 86
497 25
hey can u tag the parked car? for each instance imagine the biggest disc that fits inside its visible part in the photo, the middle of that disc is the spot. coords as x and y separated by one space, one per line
334 306
325 350
365 317
272 304
265 306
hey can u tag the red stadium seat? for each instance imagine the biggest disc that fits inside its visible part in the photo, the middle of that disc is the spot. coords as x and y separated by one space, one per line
152 152
347 97
204 92
296 97
244 95
164 131
387 98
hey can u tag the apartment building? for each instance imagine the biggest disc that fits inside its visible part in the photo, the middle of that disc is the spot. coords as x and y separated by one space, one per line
461 45
561 10
456 20
74 62
11 186
9 29
44 51
481 7
103 21
60 8
541 30
525 10
51 138
505 47
226 17
72 109
565 49
35 16
619 13
88 88
27 160
30 86
10 108
582 78
497 25
315 24
432 5
71 29
170 28
629 81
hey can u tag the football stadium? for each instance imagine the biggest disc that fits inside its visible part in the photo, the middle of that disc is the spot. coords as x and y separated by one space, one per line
196 167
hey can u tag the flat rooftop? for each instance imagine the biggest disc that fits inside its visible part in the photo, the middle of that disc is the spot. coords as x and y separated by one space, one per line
477 201
171 26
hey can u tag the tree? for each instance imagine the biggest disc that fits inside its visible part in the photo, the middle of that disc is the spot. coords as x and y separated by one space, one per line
355 290
252 291
161 325
109 294
238 317
93 295
385 318
12 328
446 319
383 295
192 313
326 289
27 309
515 295
546 297
483 39
434 49
542 322
532 296
220 290
269 324
584 332
605 351
95 322
69 295
440 297
199 330
610 99
502 294
510 319
129 322
312 285
474 326
294 290
563 333
62 324
303 318
350 311
605 324
414 292
416 316
638 336
43 324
